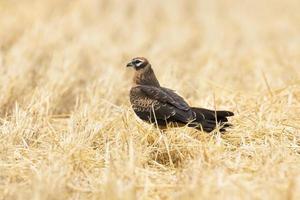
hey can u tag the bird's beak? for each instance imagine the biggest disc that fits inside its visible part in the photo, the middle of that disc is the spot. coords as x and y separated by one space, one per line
130 64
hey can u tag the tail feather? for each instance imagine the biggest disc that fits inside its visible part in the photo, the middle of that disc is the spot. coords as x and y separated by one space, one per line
207 120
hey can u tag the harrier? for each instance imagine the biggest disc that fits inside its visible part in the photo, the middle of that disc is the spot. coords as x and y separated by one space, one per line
162 106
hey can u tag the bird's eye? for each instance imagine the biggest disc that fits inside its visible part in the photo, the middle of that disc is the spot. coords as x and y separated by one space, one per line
137 61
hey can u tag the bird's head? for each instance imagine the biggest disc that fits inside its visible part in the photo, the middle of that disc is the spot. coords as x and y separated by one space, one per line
138 63
144 74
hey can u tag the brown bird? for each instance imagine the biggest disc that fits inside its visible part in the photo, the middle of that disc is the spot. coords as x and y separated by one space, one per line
162 106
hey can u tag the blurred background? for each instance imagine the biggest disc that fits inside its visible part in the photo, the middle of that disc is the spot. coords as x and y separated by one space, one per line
64 92
233 39
235 45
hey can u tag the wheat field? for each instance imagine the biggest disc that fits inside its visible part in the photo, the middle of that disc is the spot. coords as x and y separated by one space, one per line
67 130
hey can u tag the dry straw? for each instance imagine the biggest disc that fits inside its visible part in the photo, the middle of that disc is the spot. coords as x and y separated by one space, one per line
67 130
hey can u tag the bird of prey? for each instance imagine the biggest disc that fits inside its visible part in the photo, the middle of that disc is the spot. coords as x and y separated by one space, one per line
162 106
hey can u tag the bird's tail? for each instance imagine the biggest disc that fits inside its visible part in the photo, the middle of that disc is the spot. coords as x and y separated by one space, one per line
207 120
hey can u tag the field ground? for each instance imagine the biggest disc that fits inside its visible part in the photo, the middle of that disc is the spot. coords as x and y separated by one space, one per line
66 127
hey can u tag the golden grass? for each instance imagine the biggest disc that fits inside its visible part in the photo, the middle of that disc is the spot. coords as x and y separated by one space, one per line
66 127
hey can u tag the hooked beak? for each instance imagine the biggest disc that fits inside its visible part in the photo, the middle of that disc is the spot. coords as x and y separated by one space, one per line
130 64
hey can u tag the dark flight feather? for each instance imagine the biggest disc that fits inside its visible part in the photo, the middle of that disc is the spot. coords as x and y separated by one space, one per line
165 95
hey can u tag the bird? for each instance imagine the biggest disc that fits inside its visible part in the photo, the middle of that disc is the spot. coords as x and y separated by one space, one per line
162 106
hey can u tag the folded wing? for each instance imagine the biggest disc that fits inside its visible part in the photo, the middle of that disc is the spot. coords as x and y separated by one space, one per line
167 105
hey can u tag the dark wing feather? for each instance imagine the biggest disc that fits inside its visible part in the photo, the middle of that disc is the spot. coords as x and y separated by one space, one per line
156 111
211 114
162 105
165 95
166 112
209 118
160 112
166 106
176 98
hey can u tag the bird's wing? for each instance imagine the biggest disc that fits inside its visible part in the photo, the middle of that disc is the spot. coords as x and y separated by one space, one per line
156 111
165 95
167 105
177 98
